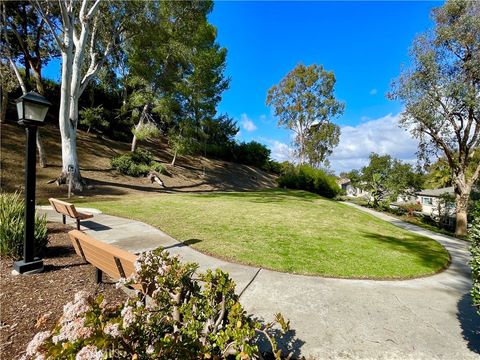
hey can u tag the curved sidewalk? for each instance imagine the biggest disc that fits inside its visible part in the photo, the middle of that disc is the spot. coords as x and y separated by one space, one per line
426 318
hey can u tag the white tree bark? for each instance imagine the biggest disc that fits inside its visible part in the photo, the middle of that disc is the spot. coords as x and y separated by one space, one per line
73 47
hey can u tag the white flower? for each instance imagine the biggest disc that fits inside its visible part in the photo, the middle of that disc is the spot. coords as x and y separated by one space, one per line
37 341
150 349
128 316
73 331
89 352
113 330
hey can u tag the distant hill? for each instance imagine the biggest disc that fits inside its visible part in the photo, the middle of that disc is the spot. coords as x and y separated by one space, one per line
190 174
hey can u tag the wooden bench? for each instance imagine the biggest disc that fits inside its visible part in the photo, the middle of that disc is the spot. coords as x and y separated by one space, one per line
67 209
106 258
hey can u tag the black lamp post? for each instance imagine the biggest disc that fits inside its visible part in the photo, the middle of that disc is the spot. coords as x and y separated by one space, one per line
32 109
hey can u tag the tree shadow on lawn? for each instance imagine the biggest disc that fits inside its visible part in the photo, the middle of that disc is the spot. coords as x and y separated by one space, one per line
469 322
416 246
268 196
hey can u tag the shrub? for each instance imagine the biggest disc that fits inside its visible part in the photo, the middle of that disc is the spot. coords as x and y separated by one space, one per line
189 316
273 167
93 118
474 236
12 224
304 177
410 208
136 163
251 153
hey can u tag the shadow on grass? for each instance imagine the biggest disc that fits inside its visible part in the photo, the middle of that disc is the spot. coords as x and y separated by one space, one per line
469 322
422 249
268 196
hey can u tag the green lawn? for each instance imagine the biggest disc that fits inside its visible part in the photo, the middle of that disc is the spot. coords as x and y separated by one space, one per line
291 231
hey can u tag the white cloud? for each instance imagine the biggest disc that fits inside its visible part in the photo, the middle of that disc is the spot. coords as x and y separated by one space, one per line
279 150
373 92
247 124
382 136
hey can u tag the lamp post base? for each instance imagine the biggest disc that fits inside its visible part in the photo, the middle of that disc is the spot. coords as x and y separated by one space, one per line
30 267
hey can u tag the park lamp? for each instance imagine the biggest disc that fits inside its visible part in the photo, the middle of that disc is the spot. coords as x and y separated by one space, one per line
32 108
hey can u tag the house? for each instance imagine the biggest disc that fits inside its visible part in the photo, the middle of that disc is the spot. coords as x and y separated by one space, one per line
350 190
439 204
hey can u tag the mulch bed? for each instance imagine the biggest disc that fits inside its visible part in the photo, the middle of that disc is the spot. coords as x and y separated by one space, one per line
33 303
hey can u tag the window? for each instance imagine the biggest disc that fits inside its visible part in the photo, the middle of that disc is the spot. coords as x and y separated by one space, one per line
427 201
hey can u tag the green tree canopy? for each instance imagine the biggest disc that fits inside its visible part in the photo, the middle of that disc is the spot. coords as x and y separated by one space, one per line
441 95
304 102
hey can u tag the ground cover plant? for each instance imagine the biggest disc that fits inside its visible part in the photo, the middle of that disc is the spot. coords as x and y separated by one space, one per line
286 230
33 303
188 315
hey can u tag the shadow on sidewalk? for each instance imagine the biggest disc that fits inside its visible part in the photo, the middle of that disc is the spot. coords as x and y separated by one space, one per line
469 322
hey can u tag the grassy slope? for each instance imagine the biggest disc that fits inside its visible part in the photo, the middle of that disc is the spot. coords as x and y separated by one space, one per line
290 231
191 173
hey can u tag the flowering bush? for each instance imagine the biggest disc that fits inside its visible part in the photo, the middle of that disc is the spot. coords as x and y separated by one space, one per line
186 316
474 236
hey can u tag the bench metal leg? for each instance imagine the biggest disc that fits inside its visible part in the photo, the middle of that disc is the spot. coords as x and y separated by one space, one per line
78 224
64 219
98 276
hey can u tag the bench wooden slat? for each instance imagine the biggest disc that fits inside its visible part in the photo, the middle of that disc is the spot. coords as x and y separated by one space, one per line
102 255
67 209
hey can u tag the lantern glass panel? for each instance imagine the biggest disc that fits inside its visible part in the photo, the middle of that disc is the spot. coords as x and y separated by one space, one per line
35 112
20 109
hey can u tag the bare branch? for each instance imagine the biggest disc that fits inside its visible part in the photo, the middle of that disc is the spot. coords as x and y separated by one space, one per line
17 74
220 316
93 9
44 16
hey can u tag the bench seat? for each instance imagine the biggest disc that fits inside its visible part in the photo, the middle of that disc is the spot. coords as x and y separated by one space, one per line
68 209
106 258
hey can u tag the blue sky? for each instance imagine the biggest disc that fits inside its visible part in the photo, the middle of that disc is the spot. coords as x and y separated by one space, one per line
364 43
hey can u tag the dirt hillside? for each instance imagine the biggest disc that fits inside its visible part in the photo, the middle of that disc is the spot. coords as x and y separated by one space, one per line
190 174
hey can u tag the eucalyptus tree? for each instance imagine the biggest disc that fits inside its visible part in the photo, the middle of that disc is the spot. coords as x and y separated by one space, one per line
441 95
26 41
86 33
320 141
304 101
8 83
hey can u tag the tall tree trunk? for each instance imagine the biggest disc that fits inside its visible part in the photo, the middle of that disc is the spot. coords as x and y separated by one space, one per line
461 203
67 118
3 106
42 156
462 195
174 158
139 126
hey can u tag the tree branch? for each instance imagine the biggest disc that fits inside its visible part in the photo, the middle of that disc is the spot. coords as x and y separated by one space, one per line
44 16
93 9
17 74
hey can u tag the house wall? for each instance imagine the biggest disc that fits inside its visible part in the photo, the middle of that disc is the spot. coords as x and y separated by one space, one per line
430 206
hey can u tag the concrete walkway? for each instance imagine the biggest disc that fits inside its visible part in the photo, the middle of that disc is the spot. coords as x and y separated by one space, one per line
427 318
